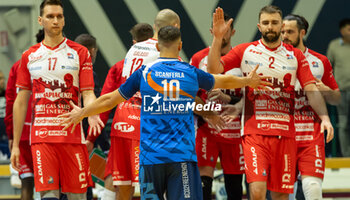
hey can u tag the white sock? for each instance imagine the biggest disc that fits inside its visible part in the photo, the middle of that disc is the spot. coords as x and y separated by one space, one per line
108 195
312 188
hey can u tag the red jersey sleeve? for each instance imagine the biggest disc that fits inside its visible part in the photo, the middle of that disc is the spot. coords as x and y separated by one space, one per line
304 74
23 76
328 77
10 96
112 82
234 58
86 78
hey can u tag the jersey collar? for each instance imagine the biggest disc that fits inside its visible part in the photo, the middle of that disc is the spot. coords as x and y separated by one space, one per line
53 48
268 48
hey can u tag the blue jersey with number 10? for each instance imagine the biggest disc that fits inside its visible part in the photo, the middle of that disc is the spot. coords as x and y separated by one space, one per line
168 88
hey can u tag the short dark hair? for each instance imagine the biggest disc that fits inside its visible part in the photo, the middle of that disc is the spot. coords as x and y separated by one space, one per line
86 40
49 2
270 9
168 35
344 22
301 21
141 32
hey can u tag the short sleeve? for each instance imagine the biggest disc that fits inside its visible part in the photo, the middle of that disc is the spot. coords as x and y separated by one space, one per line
131 85
234 58
328 77
23 76
304 74
86 77
205 80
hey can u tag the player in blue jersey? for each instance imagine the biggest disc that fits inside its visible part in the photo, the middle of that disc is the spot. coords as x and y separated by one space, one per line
168 88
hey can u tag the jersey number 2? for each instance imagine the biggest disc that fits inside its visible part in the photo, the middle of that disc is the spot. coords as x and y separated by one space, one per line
272 60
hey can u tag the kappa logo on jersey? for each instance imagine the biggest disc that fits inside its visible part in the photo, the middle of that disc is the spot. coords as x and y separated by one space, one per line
257 52
314 64
289 57
124 127
70 56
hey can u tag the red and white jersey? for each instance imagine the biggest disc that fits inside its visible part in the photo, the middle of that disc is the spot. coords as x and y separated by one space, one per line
55 76
270 112
126 121
11 94
307 122
231 134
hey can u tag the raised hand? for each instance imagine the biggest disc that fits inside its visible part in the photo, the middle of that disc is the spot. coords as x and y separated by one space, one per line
220 27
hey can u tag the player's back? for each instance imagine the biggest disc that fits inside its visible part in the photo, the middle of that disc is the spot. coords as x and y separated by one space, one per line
141 53
168 88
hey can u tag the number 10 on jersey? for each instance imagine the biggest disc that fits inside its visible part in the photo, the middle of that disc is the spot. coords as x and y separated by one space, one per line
171 89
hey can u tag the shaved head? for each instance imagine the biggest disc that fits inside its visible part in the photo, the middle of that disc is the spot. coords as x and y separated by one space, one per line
166 17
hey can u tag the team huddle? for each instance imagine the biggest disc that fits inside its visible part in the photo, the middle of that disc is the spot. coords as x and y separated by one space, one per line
259 106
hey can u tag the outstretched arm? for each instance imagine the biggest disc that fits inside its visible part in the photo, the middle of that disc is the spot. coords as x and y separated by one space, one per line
220 28
101 104
318 104
253 80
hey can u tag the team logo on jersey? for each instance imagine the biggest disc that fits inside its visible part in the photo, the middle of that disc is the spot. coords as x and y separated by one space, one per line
50 181
289 57
70 56
314 64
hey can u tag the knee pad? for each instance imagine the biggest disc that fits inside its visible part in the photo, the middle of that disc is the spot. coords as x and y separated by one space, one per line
76 196
312 188
50 194
108 195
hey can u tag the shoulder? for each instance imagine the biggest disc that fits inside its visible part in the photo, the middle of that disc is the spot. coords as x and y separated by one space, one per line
76 46
202 53
323 58
32 49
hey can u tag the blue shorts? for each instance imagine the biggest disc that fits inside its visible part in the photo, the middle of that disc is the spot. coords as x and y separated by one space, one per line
175 180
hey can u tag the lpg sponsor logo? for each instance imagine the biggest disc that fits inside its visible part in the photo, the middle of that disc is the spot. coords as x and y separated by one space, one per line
39 166
124 127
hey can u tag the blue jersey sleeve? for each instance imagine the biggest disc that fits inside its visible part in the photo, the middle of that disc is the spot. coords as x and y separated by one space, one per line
205 80
131 85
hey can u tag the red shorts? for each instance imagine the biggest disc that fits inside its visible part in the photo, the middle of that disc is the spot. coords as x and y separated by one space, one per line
109 164
61 165
26 160
270 159
208 150
311 160
125 163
